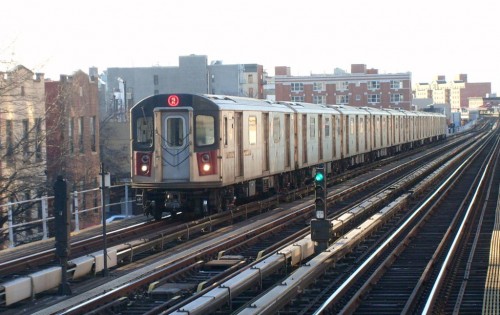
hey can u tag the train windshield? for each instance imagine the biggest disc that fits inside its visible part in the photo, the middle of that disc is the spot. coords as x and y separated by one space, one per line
145 131
175 132
205 130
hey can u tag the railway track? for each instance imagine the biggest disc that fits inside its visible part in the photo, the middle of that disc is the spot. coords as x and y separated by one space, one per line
224 292
234 217
390 272
30 257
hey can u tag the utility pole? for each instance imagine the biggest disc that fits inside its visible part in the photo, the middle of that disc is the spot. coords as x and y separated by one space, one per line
104 185
61 208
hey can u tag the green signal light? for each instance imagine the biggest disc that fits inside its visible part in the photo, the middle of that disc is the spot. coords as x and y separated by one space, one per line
319 177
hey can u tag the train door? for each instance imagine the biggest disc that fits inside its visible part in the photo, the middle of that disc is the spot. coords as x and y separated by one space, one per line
296 143
238 131
304 139
287 141
320 137
265 157
381 130
357 131
367 132
175 145
341 135
334 136
388 131
348 130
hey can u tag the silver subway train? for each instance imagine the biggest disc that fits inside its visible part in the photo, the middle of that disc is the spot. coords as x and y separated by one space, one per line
199 154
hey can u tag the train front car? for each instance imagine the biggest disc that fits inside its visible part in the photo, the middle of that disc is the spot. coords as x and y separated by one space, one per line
174 150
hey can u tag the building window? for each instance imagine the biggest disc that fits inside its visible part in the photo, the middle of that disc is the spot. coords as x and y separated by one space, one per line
22 91
342 86
250 78
38 139
9 138
373 85
318 86
297 87
25 138
373 98
250 92
318 99
252 130
358 97
155 79
395 98
396 84
80 134
93 134
342 99
71 133
297 98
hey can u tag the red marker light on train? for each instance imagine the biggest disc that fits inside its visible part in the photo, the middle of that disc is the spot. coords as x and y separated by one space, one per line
173 100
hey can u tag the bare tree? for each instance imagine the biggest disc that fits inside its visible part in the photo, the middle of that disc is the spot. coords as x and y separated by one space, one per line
23 135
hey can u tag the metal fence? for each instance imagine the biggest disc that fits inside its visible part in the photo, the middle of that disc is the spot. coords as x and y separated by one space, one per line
39 227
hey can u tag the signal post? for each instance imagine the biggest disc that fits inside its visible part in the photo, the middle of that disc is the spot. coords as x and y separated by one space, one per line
320 226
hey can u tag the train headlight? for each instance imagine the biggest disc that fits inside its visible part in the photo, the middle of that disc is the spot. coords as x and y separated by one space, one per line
207 163
143 163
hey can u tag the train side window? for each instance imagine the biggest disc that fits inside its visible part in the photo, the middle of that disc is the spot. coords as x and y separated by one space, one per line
312 127
252 130
327 127
276 129
205 130
225 130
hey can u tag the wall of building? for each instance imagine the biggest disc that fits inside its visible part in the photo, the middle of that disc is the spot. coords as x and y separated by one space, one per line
364 87
22 133
456 92
73 136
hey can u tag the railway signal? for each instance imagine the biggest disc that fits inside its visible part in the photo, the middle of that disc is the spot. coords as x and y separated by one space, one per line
320 227
320 193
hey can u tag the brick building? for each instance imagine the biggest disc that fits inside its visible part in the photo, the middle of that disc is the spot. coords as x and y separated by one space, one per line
361 87
73 137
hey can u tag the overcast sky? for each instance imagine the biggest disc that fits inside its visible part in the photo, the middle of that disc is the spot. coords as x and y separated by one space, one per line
427 37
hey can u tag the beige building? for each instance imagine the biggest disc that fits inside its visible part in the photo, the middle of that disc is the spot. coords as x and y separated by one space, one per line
457 92
22 145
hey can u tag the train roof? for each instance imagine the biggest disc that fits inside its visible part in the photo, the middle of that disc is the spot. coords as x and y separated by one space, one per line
245 103
301 107
223 102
